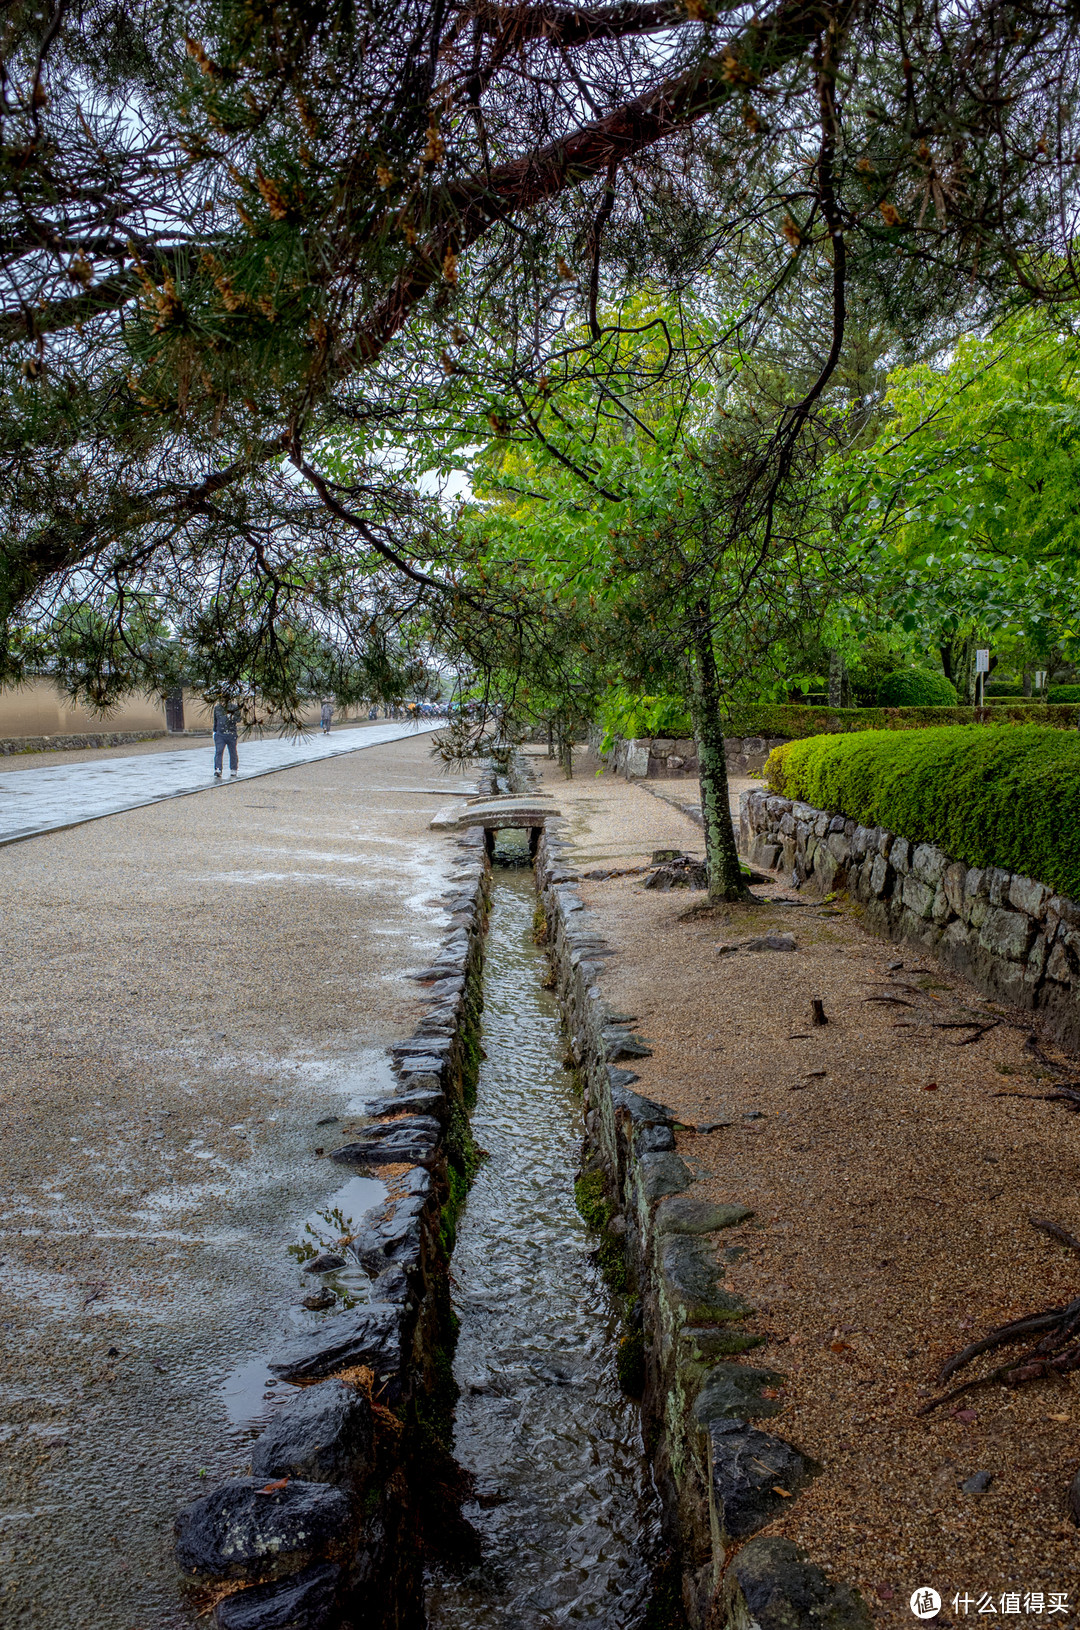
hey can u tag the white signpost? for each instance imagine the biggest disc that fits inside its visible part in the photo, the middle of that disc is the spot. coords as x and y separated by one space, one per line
982 666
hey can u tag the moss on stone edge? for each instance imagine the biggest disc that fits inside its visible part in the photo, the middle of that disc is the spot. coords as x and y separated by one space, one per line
591 1199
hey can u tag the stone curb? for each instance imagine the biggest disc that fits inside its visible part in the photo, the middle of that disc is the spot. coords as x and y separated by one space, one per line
1013 937
717 1473
350 1473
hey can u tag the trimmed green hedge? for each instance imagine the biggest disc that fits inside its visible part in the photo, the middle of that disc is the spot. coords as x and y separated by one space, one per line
916 687
991 797
794 721
1063 693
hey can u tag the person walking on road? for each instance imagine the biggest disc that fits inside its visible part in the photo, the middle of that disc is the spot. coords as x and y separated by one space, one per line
226 715
325 716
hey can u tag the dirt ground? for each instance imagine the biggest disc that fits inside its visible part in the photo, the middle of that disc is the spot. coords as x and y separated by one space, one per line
892 1160
189 989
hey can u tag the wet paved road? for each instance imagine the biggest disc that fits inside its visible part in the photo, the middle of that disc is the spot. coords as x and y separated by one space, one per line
48 798
189 990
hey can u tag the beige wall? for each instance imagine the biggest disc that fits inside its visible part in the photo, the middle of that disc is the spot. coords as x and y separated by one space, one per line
38 709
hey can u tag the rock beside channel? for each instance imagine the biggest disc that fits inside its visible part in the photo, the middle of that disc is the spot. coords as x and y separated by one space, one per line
245 1530
323 1435
306 1602
772 1584
370 1335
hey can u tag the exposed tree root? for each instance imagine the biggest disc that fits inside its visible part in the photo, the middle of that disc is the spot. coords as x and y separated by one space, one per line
1057 1353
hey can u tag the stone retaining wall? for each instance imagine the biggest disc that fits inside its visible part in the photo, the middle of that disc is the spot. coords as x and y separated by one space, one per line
1013 937
97 738
669 758
352 1482
684 1332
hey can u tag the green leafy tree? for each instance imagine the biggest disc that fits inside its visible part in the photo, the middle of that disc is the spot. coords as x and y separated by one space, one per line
965 512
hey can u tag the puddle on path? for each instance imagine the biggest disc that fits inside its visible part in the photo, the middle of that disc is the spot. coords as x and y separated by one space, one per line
565 1508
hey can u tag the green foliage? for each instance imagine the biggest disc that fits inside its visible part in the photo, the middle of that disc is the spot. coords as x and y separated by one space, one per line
624 714
1063 693
962 511
1000 688
915 687
990 797
796 722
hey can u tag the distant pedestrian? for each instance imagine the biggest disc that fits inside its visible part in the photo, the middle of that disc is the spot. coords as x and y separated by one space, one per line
326 714
226 717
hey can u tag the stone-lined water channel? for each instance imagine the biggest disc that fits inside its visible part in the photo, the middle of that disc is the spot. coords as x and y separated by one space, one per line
564 1504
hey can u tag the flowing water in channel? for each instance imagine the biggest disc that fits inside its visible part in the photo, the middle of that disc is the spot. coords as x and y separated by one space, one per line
565 1508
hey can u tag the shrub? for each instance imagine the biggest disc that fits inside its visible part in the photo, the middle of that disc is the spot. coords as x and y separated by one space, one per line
996 796
795 721
916 687
1063 693
1001 687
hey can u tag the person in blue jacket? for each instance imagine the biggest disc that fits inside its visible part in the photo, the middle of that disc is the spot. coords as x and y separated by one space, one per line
226 717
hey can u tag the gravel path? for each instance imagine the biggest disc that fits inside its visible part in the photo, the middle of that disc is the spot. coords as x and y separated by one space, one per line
190 988
891 1186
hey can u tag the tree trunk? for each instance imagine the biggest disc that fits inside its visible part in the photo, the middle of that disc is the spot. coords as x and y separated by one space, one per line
726 881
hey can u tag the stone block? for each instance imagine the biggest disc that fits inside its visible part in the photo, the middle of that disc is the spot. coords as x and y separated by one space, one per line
821 825
941 910
746 1467
307 1601
787 824
900 855
863 840
651 1140
370 1335
839 847
1061 909
952 881
1007 933
1036 961
928 863
764 854
1028 896
997 881
662 1174
826 867
1059 966
772 1585
881 877
804 812
977 883
642 1111
977 910
240 1531
837 824
918 897
679 1214
736 1392
636 760
323 1435
690 1281
955 937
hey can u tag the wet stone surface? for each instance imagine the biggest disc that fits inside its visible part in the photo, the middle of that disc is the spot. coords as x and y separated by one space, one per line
563 1507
